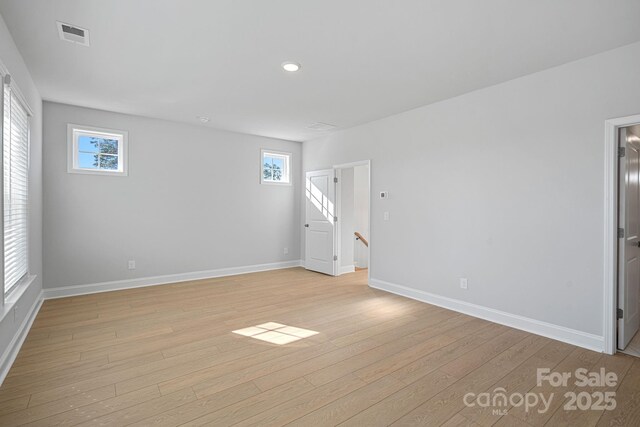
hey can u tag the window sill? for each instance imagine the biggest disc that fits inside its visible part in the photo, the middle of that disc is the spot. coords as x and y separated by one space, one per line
282 184
97 172
15 294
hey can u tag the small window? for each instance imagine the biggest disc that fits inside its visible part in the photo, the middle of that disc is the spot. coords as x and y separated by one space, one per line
275 167
97 151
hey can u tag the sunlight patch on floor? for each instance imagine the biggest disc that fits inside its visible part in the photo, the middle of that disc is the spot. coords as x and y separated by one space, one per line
275 333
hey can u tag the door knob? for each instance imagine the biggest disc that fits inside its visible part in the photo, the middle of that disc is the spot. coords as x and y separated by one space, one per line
307 225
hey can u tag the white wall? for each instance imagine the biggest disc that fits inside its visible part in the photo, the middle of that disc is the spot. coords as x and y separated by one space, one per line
361 213
14 313
503 186
192 202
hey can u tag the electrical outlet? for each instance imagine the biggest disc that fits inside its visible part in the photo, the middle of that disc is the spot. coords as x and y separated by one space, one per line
132 264
286 251
463 283
386 216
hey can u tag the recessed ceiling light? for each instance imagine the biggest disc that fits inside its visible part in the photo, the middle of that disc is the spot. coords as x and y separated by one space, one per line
291 67
204 119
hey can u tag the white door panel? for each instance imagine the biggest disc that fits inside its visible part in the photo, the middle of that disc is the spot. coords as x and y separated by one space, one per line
633 276
319 251
629 249
319 221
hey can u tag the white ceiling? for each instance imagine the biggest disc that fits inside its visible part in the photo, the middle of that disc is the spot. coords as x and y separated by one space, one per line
362 59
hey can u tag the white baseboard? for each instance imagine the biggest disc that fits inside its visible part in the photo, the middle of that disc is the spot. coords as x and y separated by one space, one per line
67 291
344 269
560 333
10 353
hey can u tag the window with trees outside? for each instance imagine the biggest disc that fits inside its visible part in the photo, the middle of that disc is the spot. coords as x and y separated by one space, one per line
275 167
96 151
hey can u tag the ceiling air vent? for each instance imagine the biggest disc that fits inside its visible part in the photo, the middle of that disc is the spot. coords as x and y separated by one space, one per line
319 126
73 34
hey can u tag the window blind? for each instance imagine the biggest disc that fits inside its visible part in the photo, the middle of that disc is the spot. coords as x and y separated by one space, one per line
16 171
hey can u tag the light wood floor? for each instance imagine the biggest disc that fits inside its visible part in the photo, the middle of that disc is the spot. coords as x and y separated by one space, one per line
165 355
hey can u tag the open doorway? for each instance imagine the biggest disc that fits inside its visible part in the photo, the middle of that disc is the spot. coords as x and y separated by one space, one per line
353 198
337 239
615 178
628 308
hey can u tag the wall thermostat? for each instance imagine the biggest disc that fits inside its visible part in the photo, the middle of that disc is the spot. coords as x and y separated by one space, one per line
384 194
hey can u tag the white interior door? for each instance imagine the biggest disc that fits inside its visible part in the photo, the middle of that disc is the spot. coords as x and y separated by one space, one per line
320 190
629 250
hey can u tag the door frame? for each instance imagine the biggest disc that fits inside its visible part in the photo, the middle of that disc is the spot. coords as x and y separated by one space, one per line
337 239
610 321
